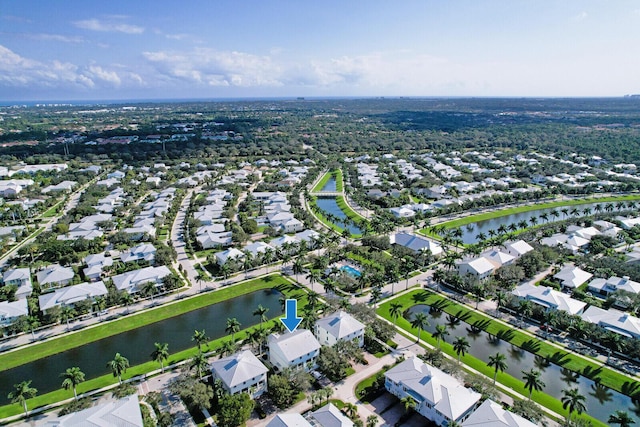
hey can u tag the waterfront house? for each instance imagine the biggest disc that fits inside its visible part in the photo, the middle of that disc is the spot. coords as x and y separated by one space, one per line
298 349
241 373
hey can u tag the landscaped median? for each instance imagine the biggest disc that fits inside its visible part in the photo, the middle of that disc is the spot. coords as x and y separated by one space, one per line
583 366
75 339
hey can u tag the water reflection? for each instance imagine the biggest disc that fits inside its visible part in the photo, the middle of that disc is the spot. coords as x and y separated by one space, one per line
600 401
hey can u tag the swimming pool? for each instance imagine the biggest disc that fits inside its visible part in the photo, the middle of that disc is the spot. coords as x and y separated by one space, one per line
351 271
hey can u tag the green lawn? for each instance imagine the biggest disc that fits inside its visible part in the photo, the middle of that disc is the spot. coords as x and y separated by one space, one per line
567 360
350 213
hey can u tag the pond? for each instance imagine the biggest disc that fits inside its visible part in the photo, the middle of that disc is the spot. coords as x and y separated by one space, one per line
138 344
469 232
330 205
600 401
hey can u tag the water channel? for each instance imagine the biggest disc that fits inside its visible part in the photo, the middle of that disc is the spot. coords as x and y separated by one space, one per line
138 344
469 234
330 205
600 401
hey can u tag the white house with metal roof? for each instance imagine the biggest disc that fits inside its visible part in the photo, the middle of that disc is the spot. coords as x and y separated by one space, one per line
20 277
288 420
329 416
613 320
549 298
54 276
142 252
479 268
339 326
612 284
518 248
298 349
491 414
416 244
72 294
133 281
571 276
241 373
10 311
439 397
231 253
123 412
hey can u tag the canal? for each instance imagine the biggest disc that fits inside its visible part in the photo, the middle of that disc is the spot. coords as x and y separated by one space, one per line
469 232
138 344
600 401
330 205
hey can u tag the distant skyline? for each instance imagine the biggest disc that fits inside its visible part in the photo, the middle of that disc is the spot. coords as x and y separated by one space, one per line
95 50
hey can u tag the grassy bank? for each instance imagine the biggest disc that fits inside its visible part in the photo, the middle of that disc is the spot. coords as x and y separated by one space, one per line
588 368
337 174
350 213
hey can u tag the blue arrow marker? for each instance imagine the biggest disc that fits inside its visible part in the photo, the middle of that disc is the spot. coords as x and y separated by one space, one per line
291 319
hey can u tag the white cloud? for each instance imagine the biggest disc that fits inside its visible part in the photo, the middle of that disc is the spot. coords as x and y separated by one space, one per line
98 25
216 68
580 16
105 75
18 71
55 37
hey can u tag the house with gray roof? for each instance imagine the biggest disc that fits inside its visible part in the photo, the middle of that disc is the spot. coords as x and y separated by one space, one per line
491 414
571 276
416 244
613 320
329 416
288 420
549 298
143 252
10 311
339 326
71 295
438 396
241 373
298 349
123 412
133 281
20 277
54 276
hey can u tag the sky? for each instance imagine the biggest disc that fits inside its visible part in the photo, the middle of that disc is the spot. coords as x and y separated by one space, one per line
163 49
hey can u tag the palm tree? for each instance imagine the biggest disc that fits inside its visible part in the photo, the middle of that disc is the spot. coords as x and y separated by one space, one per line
498 363
21 392
298 267
532 381
161 354
247 262
150 289
31 324
72 377
440 333
533 220
565 212
118 366
545 217
233 326
200 337
313 277
523 224
199 361
372 421
461 345
419 321
262 313
573 400
267 257
228 348
524 308
312 299
622 418
408 403
395 310
126 299
66 313
500 297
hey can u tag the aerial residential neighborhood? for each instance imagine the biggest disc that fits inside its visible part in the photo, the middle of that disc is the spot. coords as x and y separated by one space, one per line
319 214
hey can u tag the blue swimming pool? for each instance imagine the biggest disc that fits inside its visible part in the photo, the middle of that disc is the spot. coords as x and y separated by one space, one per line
351 271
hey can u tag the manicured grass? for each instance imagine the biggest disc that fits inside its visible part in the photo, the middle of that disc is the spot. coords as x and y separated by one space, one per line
350 213
71 340
518 209
591 369
337 173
